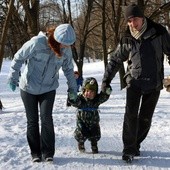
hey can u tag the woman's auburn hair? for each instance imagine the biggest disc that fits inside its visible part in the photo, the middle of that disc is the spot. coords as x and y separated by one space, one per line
54 45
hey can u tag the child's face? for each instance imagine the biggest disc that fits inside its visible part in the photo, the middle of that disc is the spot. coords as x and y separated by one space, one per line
76 75
89 94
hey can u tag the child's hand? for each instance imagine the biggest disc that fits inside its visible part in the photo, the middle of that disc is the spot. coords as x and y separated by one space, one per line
72 96
108 90
68 104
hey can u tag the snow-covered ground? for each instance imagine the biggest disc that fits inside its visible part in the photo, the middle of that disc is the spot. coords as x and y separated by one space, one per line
15 154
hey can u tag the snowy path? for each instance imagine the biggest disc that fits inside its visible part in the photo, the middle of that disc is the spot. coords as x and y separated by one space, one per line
14 151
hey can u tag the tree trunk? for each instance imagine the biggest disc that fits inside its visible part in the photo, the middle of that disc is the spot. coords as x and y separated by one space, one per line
104 34
5 30
31 8
85 34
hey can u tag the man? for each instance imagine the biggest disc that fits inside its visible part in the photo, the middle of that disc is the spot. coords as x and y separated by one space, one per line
143 47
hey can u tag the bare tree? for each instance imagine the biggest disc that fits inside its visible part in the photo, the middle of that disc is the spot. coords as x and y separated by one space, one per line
104 32
98 24
5 30
162 9
31 8
50 14
83 31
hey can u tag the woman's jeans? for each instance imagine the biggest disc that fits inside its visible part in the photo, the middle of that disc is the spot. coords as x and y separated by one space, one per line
40 142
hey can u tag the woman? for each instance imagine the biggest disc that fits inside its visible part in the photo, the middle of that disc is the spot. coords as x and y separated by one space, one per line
44 55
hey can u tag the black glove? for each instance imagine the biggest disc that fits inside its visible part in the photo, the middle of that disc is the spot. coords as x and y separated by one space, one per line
68 104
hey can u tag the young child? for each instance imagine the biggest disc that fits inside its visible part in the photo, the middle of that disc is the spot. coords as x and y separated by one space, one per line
88 118
79 80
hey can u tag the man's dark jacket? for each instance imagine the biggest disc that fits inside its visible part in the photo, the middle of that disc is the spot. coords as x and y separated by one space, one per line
144 56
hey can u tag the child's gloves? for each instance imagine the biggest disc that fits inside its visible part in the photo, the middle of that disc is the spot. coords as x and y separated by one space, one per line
72 96
166 83
108 90
68 104
12 86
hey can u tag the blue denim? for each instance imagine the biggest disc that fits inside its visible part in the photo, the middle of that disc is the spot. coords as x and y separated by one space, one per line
41 141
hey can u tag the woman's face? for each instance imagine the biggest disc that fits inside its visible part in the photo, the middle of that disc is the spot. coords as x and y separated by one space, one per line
135 23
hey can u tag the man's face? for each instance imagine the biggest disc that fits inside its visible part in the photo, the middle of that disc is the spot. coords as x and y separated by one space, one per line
135 23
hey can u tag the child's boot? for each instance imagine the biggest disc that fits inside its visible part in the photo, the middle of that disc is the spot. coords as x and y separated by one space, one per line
94 147
81 147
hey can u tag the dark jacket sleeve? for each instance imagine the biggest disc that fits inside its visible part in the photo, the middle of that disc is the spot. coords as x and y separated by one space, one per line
120 55
166 45
102 97
76 103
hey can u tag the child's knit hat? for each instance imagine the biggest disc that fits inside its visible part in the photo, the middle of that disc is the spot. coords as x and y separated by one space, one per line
65 34
91 84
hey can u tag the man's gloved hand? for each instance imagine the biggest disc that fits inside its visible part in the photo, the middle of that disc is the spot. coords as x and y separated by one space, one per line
72 96
108 90
166 83
12 86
